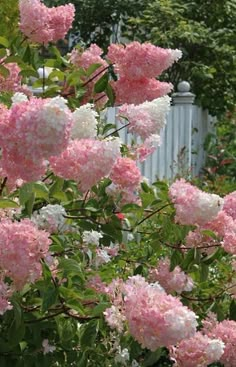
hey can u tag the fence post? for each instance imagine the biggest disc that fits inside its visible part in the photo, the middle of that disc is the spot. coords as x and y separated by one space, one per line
183 101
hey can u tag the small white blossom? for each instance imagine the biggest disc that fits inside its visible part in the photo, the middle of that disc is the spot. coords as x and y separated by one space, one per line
91 237
50 218
47 348
18 97
122 357
102 257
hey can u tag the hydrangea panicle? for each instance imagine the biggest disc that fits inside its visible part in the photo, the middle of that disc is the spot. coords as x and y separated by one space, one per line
22 246
42 24
193 206
147 118
171 281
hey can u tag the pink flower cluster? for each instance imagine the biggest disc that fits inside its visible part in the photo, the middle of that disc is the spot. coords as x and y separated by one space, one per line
22 246
42 24
198 351
193 206
137 66
154 318
141 60
126 174
230 204
171 281
30 132
224 227
226 331
147 118
86 161
134 91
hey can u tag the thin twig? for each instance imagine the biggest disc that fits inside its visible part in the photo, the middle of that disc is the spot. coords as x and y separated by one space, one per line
114 132
151 214
95 76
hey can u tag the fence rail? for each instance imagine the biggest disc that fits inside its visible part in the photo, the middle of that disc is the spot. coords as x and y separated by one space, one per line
181 151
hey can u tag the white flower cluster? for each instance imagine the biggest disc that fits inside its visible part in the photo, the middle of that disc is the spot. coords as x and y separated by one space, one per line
182 323
50 218
209 206
18 97
55 112
91 237
157 110
215 349
84 122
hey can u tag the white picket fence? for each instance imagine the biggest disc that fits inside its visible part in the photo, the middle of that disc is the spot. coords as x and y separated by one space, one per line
181 151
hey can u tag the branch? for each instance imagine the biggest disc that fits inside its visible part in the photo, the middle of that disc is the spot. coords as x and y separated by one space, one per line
114 132
151 214
95 76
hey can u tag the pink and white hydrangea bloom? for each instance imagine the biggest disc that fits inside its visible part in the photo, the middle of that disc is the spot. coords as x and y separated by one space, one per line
86 161
226 331
42 24
171 281
147 118
135 92
138 60
22 246
44 127
125 174
154 318
193 206
198 351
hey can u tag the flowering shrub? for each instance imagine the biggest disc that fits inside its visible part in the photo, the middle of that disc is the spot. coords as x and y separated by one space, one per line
97 267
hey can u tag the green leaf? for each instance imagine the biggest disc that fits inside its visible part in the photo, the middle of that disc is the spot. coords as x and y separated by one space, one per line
176 259
92 68
101 84
107 128
3 52
207 232
7 203
152 358
49 297
30 204
110 94
4 42
67 329
25 192
29 72
130 208
188 259
12 58
89 334
100 308
56 187
4 71
70 266
204 271
40 190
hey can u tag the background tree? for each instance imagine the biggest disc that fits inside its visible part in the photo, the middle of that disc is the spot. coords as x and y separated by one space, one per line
95 22
205 31
9 18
